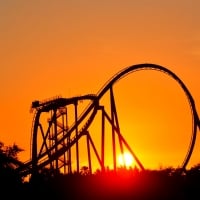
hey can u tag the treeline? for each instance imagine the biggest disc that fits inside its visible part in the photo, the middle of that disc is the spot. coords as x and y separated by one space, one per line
124 184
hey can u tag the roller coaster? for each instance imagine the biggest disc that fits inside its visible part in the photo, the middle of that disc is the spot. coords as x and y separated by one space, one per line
52 140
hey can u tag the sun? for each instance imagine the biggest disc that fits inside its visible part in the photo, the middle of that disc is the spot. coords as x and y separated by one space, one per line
125 159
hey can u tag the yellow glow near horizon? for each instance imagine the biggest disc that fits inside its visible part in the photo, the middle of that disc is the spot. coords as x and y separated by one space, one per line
125 159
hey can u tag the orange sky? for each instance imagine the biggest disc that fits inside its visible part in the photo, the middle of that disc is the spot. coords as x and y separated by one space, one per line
68 48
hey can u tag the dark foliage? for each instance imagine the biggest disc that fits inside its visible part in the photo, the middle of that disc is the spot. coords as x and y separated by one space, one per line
163 184
166 184
10 181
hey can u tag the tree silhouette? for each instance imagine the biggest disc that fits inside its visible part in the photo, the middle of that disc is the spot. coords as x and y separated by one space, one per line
8 156
84 170
10 180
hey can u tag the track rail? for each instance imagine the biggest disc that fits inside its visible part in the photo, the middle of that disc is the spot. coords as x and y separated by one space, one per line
41 159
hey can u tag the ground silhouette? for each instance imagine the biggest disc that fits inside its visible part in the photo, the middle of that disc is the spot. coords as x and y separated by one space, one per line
123 184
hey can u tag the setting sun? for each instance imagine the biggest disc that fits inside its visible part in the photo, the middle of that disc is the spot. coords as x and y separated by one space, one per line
125 159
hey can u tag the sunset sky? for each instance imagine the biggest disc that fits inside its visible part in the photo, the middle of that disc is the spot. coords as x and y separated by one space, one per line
69 48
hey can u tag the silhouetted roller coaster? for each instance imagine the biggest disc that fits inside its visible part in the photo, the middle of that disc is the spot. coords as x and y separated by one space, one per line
53 137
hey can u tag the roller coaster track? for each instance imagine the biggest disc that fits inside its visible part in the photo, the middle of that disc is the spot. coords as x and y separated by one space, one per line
49 155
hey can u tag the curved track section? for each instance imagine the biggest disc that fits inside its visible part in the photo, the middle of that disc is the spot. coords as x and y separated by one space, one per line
147 66
63 138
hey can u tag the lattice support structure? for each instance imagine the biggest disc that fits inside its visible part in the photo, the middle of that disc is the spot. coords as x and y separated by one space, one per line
53 142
